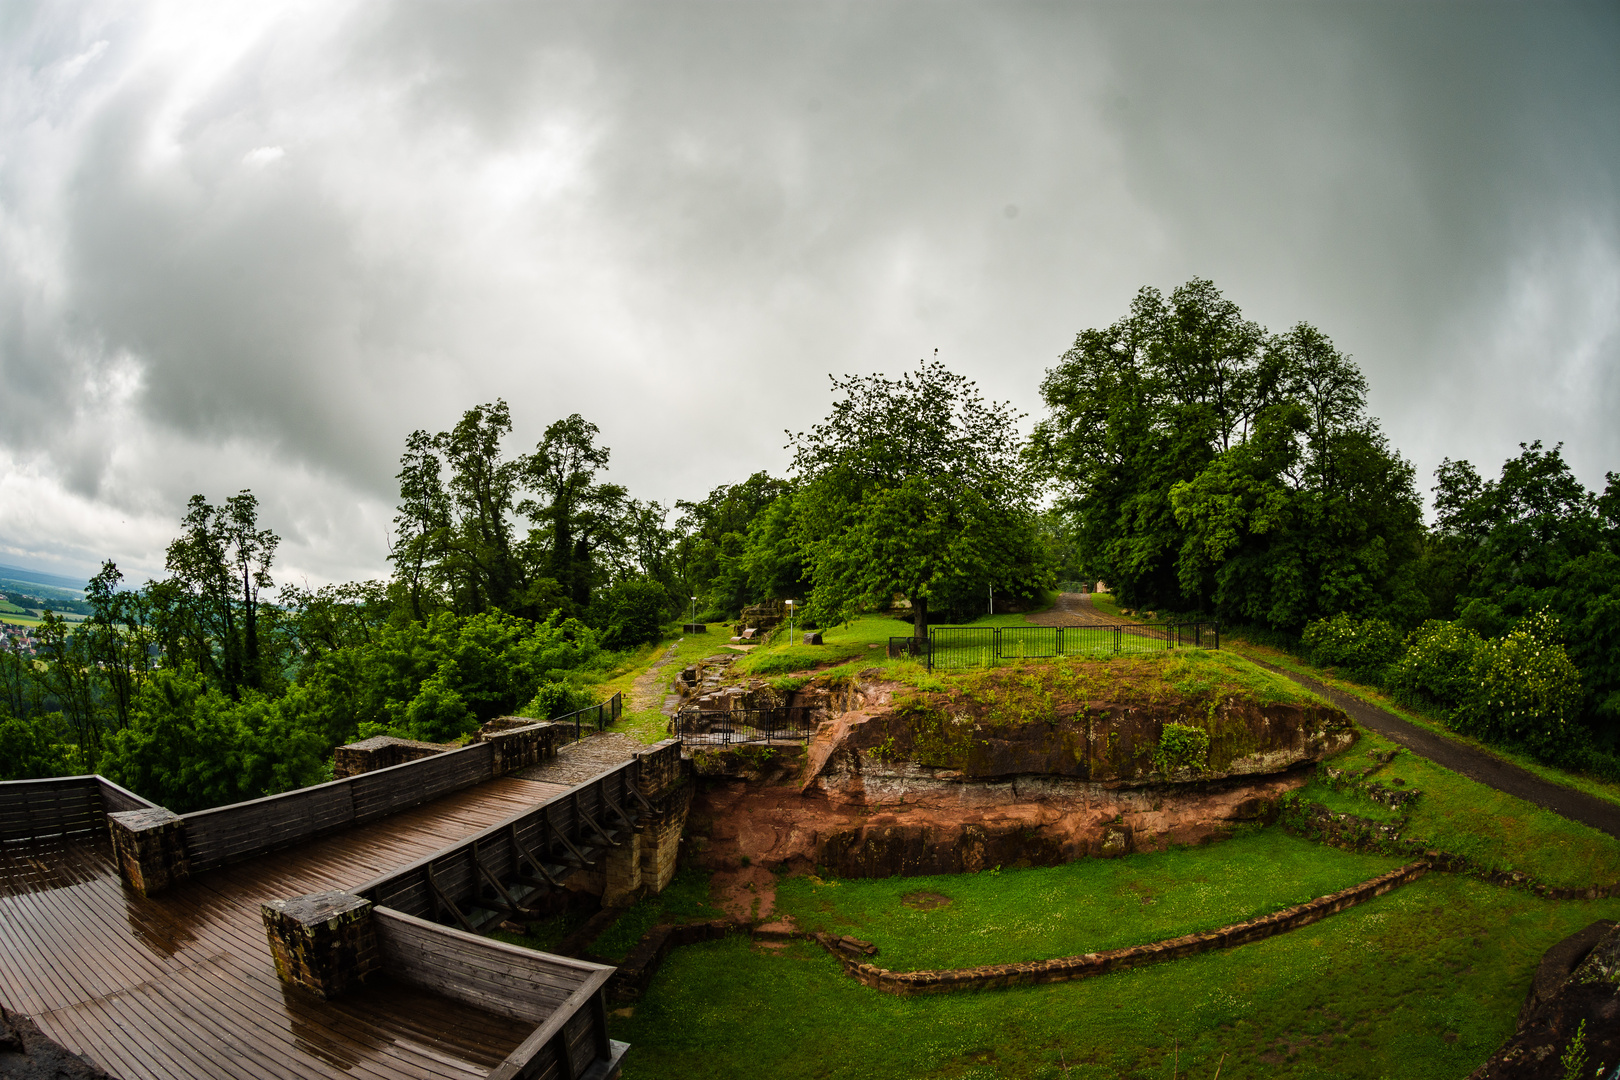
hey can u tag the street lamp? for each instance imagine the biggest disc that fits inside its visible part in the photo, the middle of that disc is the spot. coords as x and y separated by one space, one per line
694 611
790 622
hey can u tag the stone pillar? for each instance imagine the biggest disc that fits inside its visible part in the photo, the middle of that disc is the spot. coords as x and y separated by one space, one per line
660 837
324 942
150 846
623 871
519 747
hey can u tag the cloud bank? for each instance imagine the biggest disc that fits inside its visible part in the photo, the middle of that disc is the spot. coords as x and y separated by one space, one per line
255 247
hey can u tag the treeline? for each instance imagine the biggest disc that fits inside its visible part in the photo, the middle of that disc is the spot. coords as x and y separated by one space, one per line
1189 457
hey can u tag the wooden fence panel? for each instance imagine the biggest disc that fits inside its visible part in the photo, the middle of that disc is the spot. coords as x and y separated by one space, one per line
456 874
518 983
387 791
116 800
56 806
227 834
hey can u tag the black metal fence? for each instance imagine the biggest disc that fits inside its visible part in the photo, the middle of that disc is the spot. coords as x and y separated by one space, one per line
788 722
596 717
982 646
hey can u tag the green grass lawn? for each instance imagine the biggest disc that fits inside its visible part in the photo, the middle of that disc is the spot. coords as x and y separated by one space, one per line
1463 816
1423 982
1086 906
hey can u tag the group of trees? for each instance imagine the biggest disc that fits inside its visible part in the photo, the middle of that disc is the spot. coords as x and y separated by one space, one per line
1188 456
1202 463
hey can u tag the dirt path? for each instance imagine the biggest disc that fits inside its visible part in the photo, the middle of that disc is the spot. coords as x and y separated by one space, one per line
1071 609
1477 765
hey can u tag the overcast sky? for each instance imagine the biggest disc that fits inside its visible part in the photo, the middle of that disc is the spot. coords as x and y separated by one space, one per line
255 245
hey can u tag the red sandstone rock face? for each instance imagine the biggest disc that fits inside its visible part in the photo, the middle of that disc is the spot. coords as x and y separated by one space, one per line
1030 821
882 794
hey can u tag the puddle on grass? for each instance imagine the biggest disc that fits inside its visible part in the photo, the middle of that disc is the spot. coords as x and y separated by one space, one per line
925 901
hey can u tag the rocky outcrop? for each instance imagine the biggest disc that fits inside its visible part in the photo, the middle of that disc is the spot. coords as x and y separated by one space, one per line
894 783
891 747
1572 1013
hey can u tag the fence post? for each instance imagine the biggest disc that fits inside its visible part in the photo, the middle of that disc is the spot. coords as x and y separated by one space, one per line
1060 641
995 651
1117 643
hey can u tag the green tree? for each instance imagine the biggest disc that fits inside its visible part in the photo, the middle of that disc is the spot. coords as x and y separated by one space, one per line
1200 461
479 563
1536 538
581 515
912 487
219 567
421 524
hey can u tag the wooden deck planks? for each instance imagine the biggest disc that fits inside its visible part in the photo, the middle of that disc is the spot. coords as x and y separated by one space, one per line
181 985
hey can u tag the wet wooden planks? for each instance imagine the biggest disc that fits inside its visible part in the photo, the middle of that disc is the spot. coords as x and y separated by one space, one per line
181 985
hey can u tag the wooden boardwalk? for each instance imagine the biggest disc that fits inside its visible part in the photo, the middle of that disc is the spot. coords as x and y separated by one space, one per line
181 986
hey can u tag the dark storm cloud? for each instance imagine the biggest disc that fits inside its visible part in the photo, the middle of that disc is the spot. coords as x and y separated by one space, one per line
257 250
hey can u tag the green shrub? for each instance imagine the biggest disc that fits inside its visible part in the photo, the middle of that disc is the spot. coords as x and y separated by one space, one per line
1182 746
632 613
1526 691
1361 648
558 699
1438 666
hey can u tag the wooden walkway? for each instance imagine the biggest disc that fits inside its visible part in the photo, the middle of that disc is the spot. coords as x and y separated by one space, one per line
181 986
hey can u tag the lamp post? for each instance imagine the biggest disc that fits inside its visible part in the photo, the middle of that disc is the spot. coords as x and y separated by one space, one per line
790 622
694 611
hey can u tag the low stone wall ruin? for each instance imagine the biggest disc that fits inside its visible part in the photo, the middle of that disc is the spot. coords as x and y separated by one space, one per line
1066 968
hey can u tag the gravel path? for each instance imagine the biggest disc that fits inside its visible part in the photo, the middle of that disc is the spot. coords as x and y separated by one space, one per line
584 760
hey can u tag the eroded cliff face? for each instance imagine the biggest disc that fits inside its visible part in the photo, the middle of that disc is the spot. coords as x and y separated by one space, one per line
894 784
898 743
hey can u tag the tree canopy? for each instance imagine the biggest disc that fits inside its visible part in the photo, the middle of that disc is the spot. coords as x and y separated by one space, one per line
912 487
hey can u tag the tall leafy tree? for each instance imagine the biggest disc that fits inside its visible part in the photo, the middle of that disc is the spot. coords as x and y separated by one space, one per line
219 567
421 523
581 514
912 487
480 563
1202 462
1535 538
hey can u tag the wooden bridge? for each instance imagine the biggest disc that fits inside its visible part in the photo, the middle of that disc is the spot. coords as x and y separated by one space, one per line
327 932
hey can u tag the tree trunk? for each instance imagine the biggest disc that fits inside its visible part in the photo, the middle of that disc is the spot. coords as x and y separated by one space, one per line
919 618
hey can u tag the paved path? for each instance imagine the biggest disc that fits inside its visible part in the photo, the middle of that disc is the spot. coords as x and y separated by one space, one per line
1474 764
1077 609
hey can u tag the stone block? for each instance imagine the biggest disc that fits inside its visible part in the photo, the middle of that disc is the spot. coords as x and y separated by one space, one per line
1117 840
379 752
519 747
694 628
150 846
813 638
623 873
323 942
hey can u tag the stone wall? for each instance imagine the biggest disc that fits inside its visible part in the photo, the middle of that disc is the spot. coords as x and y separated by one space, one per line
661 768
1066 968
379 752
323 942
526 743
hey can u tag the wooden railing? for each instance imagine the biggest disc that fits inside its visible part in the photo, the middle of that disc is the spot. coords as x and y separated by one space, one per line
242 830
492 874
563 996
61 806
